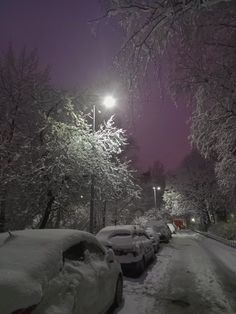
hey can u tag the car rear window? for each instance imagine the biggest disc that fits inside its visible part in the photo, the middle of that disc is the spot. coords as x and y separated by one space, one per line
77 251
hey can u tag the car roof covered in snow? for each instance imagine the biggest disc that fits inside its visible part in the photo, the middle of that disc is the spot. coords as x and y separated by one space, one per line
110 231
158 223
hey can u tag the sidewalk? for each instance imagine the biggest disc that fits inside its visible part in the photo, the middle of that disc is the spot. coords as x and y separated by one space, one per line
231 243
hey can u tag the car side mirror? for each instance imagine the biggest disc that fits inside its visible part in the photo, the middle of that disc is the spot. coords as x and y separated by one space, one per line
110 257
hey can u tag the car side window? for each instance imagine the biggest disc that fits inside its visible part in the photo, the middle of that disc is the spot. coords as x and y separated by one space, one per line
94 249
75 252
143 236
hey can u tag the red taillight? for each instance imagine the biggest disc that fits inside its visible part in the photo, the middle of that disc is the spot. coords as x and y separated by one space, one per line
29 310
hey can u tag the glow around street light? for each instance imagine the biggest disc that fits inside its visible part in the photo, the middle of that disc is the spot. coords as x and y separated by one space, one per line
193 219
109 101
158 188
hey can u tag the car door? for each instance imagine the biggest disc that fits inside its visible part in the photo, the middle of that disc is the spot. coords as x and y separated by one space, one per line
148 247
106 275
84 280
74 290
138 243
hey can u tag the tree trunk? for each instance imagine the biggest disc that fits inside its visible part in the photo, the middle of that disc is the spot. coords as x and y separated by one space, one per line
47 212
91 214
104 214
58 218
3 202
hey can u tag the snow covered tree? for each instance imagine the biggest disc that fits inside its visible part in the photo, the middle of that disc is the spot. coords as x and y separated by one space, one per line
75 154
48 150
24 93
193 190
150 25
192 46
205 70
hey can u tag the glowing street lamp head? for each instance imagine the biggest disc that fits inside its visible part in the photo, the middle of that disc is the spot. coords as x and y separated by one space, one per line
193 219
158 188
109 101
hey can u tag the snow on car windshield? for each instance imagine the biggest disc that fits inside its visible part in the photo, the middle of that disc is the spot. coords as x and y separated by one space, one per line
120 235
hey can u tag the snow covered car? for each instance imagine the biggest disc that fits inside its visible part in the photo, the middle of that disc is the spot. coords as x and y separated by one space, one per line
57 271
161 228
155 237
131 245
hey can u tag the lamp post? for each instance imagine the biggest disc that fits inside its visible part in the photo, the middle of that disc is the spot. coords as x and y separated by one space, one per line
155 189
109 101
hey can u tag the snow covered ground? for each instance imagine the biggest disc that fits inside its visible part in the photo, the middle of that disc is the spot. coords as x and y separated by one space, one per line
192 274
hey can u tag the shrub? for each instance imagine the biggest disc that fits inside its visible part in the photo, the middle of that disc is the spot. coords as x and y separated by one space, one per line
225 230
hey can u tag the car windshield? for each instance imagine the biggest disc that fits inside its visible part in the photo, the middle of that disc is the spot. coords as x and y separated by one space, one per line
120 235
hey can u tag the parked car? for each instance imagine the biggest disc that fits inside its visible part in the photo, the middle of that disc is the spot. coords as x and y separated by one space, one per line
161 228
155 237
131 244
57 271
172 228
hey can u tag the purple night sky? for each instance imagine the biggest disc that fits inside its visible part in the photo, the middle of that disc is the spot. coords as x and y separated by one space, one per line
64 40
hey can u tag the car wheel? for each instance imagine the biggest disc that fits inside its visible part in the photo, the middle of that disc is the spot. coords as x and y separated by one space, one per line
140 266
153 257
119 292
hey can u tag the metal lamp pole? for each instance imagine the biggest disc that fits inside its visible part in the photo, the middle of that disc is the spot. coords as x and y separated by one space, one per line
155 196
155 189
109 101
91 214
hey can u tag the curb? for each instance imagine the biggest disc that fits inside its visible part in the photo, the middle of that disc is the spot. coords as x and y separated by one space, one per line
230 243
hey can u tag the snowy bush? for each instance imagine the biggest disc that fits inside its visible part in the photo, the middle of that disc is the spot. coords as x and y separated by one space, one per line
224 230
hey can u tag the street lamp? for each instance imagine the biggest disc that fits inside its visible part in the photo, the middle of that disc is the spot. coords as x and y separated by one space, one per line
109 101
155 189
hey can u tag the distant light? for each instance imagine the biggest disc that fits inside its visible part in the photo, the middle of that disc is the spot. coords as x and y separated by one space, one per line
109 101
193 219
156 188
81 196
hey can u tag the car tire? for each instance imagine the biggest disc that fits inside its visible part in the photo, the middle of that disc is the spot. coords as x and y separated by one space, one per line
119 292
153 257
140 267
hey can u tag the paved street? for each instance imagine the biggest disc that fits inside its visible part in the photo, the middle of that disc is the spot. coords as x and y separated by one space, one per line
192 274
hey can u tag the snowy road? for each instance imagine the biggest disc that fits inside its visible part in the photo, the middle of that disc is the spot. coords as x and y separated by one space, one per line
192 274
